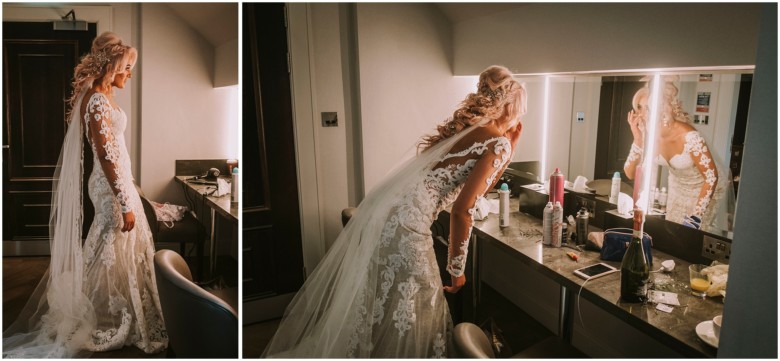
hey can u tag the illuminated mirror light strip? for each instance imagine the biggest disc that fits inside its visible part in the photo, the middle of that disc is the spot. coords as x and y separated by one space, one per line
649 152
545 120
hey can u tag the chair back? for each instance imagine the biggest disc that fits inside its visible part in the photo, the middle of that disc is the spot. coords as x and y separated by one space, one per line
199 324
471 341
151 216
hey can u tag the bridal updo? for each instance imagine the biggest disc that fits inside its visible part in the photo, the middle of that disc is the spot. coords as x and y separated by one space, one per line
670 99
495 89
107 56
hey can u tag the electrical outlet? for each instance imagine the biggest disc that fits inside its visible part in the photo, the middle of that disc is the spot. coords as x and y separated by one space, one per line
716 250
330 119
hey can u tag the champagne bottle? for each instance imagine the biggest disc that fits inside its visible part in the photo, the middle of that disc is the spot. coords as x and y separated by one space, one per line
634 271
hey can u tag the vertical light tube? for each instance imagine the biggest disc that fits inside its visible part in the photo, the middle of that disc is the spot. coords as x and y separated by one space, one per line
545 130
649 153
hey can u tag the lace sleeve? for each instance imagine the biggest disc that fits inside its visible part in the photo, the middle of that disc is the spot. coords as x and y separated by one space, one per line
98 119
633 160
697 148
482 177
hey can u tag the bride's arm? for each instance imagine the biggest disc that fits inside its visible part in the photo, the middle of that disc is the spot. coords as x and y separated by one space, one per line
104 145
482 176
706 165
636 154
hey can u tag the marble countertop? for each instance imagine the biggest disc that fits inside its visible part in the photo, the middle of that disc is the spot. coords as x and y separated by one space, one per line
675 329
221 204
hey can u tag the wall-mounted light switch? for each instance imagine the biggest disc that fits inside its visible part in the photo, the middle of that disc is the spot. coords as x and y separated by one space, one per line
330 119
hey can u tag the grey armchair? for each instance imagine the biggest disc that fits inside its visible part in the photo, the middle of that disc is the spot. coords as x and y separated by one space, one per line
199 324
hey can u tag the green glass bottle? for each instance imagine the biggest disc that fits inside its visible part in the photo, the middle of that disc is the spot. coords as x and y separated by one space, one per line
634 271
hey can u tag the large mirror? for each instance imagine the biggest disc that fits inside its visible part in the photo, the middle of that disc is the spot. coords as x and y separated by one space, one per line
579 124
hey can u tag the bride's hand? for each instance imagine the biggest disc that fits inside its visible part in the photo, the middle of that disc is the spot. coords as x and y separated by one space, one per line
128 220
635 121
457 283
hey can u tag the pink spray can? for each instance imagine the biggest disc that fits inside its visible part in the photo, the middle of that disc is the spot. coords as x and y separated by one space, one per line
556 187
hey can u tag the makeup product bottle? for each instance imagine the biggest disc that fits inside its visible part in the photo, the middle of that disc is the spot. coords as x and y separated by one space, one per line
557 225
547 220
614 191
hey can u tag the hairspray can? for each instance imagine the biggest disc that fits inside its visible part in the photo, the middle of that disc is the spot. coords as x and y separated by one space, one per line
547 221
582 225
557 225
556 187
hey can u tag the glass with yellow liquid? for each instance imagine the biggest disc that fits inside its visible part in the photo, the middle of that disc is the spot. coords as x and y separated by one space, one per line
699 282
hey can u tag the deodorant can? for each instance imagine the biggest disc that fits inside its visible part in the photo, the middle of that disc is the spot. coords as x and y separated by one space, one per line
503 206
582 225
556 187
234 185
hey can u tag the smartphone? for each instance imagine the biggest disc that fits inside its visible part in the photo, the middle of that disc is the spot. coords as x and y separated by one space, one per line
595 271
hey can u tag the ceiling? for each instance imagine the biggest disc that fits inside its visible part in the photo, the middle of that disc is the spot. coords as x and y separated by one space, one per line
216 22
457 12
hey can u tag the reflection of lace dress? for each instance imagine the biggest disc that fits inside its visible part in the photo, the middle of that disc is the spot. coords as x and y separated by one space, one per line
686 181
398 308
119 270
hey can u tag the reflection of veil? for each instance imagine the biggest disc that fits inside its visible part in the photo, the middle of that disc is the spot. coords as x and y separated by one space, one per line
58 319
329 298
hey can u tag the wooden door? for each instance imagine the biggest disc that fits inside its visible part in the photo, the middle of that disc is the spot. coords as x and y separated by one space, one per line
38 64
272 247
614 134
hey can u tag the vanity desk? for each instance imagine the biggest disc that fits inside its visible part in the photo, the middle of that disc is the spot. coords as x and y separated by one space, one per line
540 280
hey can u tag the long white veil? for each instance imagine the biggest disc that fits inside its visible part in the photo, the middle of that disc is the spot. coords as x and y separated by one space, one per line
58 319
321 317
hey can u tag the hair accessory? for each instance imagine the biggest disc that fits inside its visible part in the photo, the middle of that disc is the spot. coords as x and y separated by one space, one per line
492 94
101 57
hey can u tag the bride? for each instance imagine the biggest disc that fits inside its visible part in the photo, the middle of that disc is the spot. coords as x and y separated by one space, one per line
377 292
100 296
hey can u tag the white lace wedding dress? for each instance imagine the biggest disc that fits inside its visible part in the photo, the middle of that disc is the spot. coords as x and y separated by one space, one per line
378 291
689 172
118 305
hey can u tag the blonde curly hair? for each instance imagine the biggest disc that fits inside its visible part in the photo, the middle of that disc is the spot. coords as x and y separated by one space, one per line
495 89
108 56
670 92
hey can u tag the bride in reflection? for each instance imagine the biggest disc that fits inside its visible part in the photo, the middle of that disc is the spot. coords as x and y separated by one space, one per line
100 296
378 290
695 184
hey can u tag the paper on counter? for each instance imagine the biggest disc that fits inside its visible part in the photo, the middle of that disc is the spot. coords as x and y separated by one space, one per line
669 298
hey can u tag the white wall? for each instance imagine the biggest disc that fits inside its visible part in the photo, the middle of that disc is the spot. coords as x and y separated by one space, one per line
226 64
545 37
182 115
331 142
406 82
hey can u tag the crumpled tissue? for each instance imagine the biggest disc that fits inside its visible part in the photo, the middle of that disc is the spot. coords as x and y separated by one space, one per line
625 203
718 275
483 207
222 187
580 184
